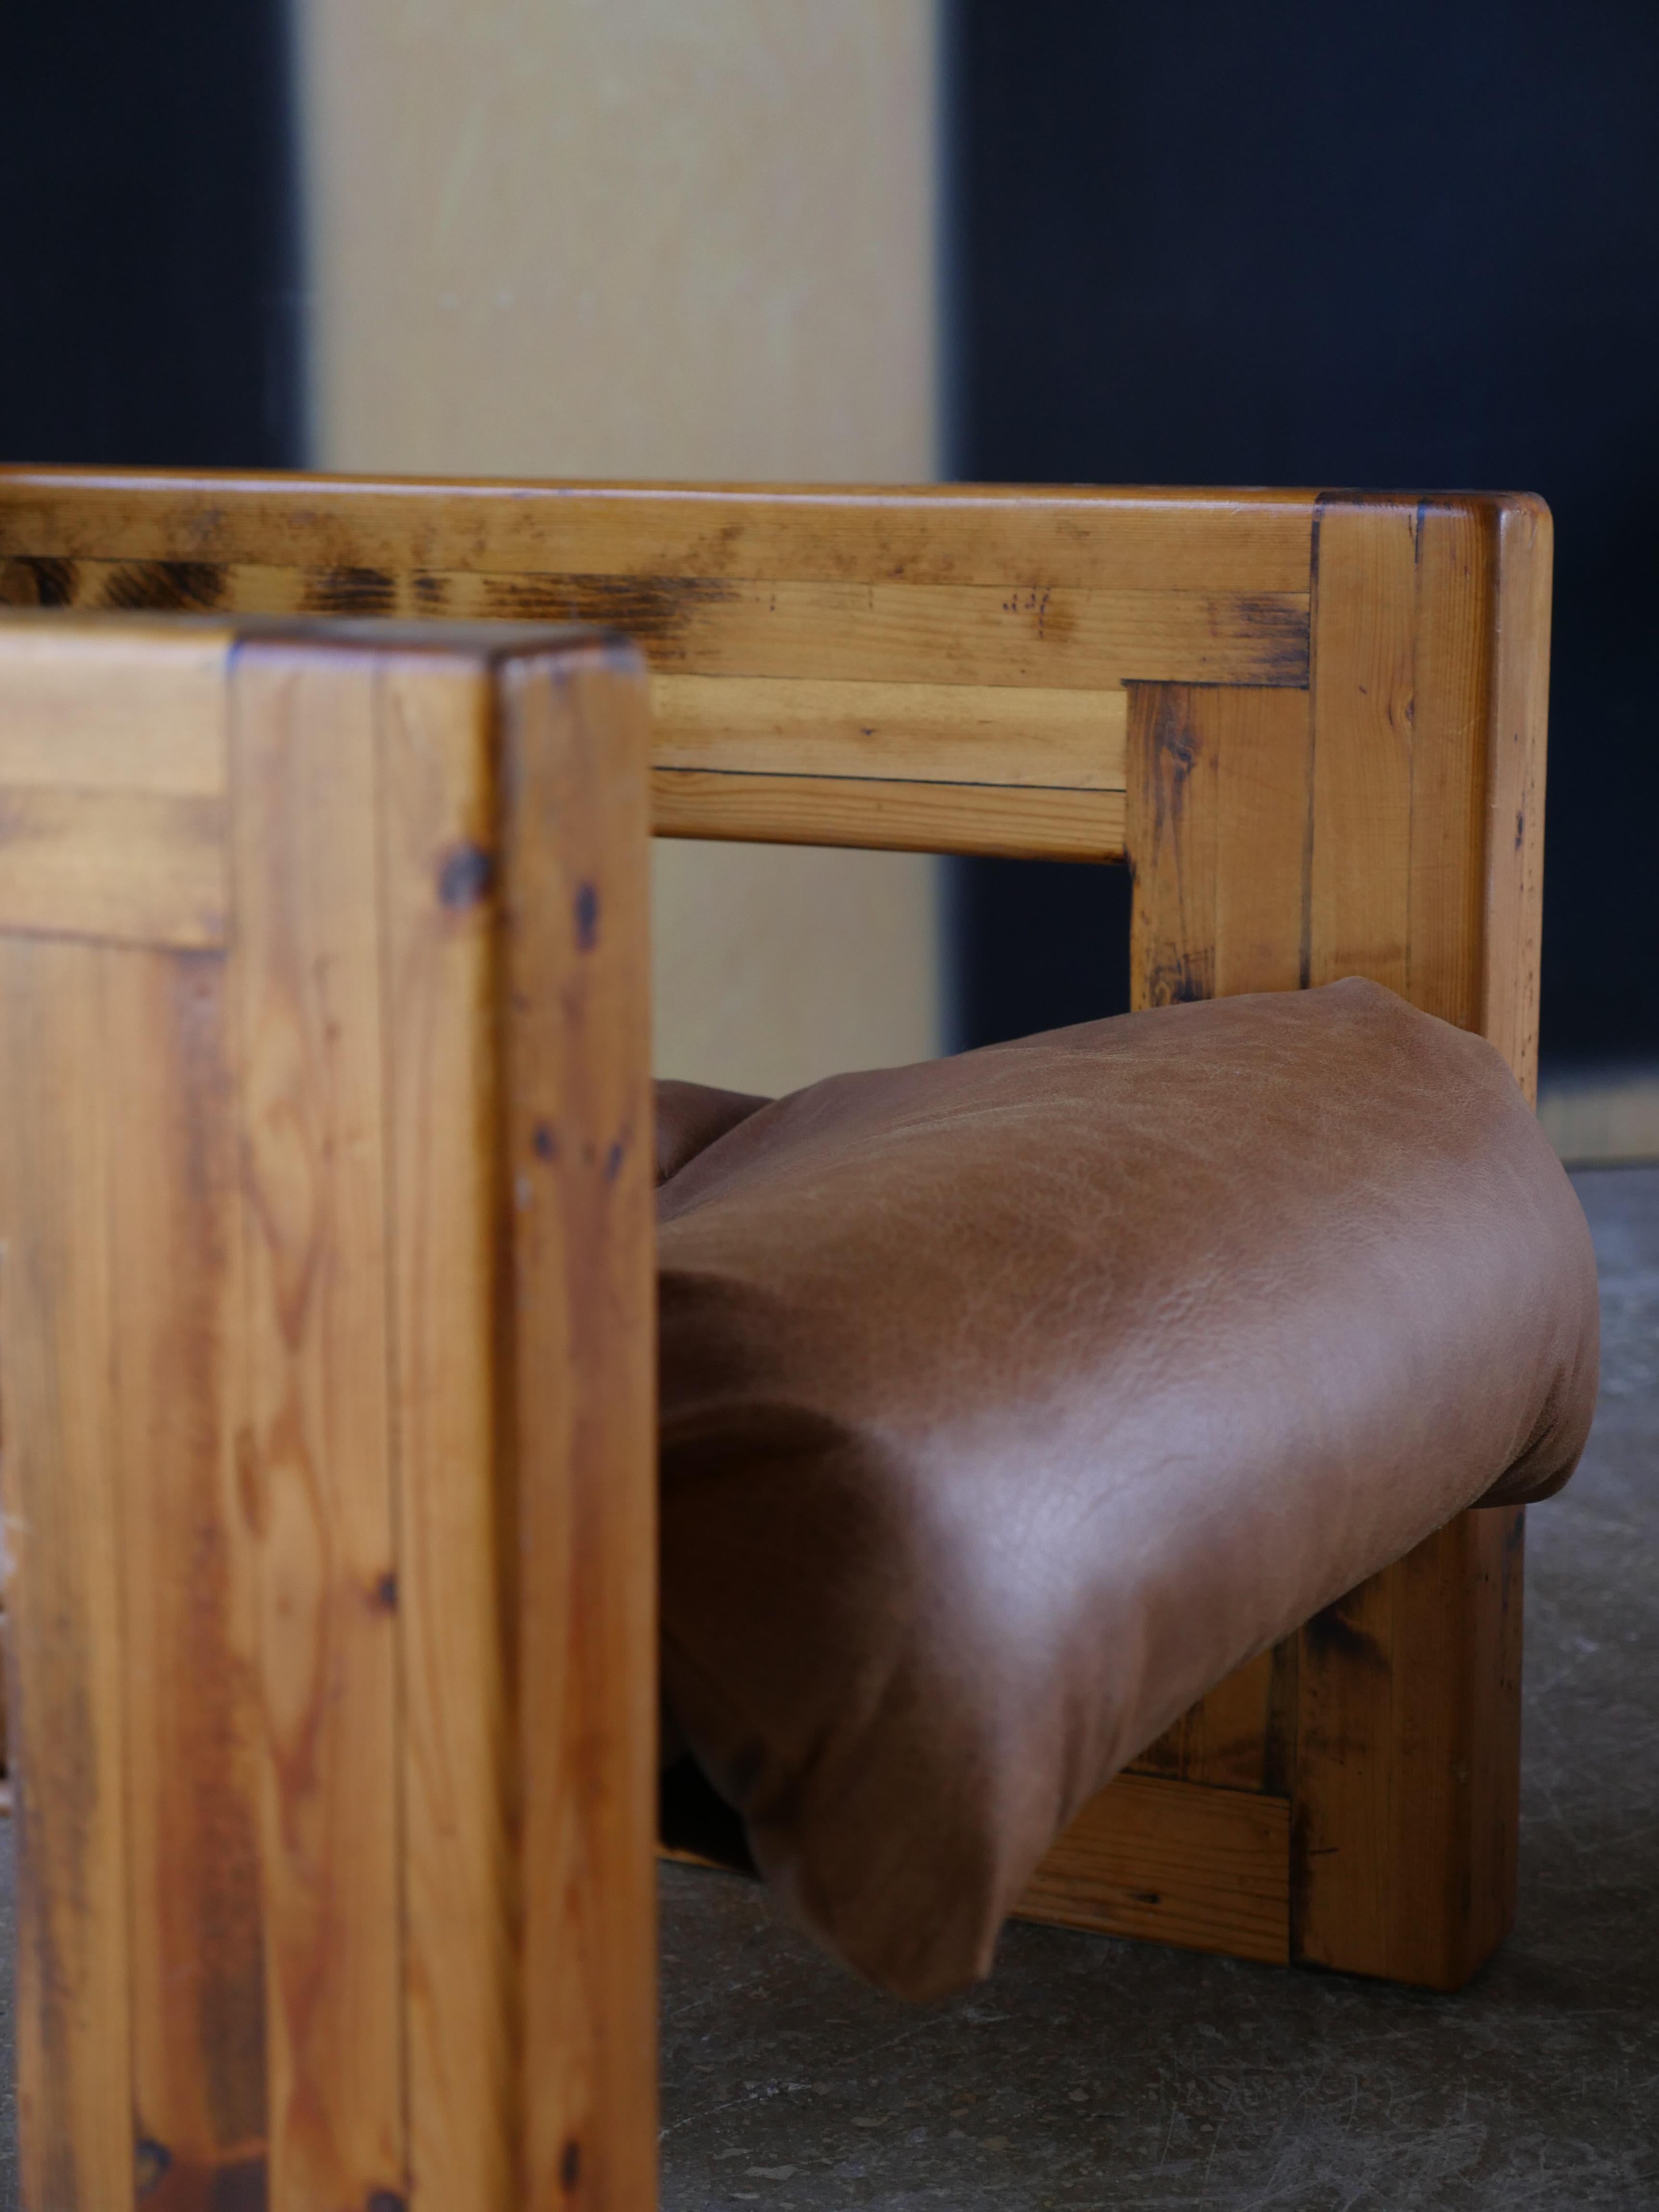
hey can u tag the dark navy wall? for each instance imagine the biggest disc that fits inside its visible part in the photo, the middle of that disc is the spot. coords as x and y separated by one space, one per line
149 305
1314 245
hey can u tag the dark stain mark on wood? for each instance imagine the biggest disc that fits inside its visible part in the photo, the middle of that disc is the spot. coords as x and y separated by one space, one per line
241 2186
151 2162
431 593
587 917
1175 740
570 2165
1169 854
1166 1755
655 611
385 2200
1279 1750
1281 634
349 592
613 1160
31 582
385 1593
465 876
165 586
186 2185
1181 979
1146 1896
544 1142
1520 827
1053 624
1332 1635
168 2184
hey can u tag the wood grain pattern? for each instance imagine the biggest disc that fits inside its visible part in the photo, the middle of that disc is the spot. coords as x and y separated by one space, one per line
1085 539
1219 841
921 732
1400 1735
1224 1738
885 814
1408 1762
578 1153
1264 849
435 743
1171 828
332 1723
92 705
194 1916
128 867
1517 712
58 1336
1173 1862
1363 686
317 1473
866 632
111 778
1451 681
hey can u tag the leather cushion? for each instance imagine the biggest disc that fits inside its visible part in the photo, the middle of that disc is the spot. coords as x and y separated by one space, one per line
1011 1402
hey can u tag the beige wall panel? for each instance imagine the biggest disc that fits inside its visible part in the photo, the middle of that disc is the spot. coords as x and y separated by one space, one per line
652 238
838 948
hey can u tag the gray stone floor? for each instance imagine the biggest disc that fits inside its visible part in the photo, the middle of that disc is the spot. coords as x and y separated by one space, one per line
1088 2073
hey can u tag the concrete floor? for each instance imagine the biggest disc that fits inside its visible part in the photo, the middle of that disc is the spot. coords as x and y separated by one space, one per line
1089 2073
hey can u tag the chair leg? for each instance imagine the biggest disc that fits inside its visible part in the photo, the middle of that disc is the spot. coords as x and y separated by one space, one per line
325 1376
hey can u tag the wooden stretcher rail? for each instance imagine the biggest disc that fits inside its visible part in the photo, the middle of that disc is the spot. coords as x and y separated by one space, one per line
940 672
376 531
1012 820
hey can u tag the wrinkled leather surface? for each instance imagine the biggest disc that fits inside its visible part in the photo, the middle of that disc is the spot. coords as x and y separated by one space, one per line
1010 1401
690 1116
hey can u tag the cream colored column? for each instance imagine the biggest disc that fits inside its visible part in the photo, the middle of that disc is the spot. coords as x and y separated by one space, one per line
652 238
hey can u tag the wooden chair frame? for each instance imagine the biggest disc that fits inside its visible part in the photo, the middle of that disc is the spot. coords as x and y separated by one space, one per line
1312 723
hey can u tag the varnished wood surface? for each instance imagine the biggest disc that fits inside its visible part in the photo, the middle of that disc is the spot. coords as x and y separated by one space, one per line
318 1469
1320 744
197 1943
953 643
437 817
915 732
373 531
1513 794
60 1322
1014 820
1173 1862
294 1815
112 780
579 1164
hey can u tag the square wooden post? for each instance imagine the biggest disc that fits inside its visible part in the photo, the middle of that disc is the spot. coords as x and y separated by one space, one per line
325 1386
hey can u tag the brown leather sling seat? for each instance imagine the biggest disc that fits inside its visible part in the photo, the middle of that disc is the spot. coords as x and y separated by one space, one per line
1010 1401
